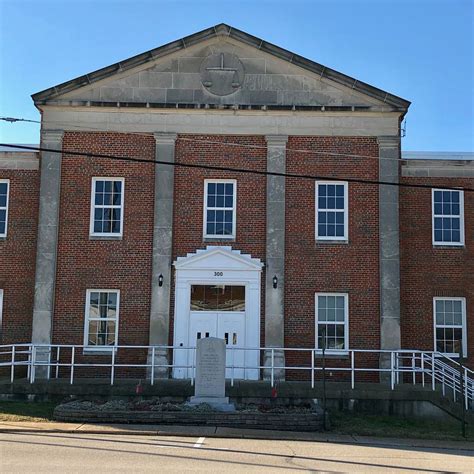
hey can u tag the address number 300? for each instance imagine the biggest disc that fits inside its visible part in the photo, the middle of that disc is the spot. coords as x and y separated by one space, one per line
218 274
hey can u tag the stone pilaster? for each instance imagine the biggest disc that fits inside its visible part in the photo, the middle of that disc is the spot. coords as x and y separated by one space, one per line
275 254
389 154
47 244
162 243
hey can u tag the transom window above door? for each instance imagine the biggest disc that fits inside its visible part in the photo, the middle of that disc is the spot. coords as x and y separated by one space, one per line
220 208
217 298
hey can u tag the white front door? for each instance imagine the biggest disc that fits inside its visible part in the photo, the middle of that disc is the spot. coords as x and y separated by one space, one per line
229 326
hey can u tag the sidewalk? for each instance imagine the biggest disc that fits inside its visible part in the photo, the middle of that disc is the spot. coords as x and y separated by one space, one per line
219 432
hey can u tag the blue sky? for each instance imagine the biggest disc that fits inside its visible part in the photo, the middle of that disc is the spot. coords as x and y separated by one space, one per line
421 50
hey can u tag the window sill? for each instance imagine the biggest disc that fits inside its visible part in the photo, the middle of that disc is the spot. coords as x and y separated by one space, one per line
332 354
449 246
451 356
219 239
98 351
105 237
331 241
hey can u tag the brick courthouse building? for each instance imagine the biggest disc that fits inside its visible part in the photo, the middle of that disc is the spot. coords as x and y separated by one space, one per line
98 252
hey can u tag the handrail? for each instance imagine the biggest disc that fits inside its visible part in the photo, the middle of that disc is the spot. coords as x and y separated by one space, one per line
64 360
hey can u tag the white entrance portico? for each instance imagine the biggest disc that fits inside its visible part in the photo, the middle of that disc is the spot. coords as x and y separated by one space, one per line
218 295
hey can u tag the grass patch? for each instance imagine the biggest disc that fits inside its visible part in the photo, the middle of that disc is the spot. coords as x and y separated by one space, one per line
26 411
393 426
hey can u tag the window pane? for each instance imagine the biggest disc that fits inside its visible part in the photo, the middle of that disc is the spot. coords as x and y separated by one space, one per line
3 200
229 189
211 188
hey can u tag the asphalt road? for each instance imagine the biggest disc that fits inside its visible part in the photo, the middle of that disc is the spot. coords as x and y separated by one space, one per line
71 453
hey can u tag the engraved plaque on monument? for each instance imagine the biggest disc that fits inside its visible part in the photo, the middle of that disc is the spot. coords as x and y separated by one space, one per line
210 374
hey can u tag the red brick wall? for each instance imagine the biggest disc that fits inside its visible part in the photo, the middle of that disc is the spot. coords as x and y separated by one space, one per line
105 264
18 255
427 271
189 196
312 266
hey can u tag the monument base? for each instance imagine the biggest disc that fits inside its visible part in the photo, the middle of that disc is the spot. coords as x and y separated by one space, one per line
217 403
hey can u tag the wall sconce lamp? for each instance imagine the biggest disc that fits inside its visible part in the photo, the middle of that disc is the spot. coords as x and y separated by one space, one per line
160 280
275 281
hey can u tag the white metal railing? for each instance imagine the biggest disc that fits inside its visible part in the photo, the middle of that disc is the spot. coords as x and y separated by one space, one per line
422 367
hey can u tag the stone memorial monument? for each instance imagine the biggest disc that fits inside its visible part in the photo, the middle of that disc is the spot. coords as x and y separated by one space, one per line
210 375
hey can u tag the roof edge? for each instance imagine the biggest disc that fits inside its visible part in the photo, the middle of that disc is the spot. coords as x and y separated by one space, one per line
223 29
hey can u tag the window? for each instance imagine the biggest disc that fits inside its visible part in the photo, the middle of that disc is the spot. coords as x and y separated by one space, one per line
219 209
450 326
331 211
4 188
448 217
217 298
332 314
107 207
101 321
1 313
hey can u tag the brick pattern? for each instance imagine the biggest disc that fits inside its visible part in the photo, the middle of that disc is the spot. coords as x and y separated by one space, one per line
85 263
18 256
189 196
427 271
312 266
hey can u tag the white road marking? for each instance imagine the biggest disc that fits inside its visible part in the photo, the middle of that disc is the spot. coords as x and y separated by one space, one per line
199 442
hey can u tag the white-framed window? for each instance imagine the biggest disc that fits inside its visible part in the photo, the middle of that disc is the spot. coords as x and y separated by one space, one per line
447 217
4 190
220 199
1 314
450 326
107 198
332 216
332 319
101 319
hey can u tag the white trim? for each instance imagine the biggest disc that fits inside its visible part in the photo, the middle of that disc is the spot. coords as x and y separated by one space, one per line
1 314
4 234
346 323
223 266
461 220
234 209
86 320
463 327
93 207
345 237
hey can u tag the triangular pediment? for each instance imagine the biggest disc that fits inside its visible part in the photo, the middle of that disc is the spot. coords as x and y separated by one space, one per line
217 258
220 66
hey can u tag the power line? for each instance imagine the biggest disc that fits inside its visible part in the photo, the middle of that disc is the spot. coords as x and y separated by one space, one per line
233 170
14 119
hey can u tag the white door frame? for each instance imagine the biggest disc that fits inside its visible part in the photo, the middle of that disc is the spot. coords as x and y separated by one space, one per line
217 266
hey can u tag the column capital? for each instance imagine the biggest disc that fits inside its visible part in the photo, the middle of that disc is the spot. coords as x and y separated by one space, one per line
52 136
388 141
165 138
276 140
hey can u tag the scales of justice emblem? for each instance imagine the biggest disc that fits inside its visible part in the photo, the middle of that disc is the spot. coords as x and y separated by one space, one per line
222 73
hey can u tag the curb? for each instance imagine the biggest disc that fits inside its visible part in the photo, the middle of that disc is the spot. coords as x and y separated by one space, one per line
265 435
